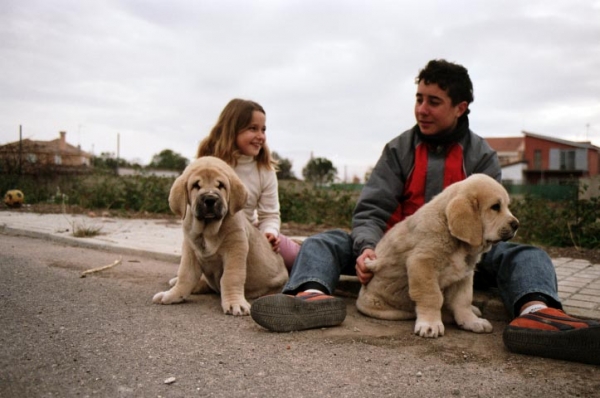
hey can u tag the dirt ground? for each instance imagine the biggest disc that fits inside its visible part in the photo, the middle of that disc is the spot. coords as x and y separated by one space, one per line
64 335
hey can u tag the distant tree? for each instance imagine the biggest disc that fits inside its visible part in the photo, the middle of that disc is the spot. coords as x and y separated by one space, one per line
168 160
319 171
284 167
108 161
11 160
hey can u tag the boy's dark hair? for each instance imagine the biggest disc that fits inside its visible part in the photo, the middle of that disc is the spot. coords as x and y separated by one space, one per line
453 78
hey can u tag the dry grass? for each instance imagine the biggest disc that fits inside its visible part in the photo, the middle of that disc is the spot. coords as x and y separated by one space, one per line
84 231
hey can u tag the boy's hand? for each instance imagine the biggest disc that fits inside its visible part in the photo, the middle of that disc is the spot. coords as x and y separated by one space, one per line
363 273
274 241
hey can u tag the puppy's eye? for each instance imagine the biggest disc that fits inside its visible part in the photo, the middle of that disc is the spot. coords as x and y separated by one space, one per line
220 185
496 207
196 185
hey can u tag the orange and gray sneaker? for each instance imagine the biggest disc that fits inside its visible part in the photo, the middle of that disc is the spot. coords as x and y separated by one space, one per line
551 333
306 310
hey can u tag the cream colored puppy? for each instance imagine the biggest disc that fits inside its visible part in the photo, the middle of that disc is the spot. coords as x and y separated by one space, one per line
427 261
222 252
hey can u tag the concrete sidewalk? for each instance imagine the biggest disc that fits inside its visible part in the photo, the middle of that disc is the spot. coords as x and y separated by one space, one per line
578 280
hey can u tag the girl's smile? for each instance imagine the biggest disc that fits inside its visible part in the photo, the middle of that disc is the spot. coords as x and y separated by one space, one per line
251 139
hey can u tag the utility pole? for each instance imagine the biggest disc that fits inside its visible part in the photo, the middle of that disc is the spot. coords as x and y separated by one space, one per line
587 131
118 151
20 148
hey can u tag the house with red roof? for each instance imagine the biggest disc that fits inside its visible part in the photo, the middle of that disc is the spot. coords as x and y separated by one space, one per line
535 158
31 156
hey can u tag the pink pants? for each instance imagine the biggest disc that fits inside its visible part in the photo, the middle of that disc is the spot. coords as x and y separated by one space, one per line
289 250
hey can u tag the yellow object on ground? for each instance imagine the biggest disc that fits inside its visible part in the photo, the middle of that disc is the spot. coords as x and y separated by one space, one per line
14 198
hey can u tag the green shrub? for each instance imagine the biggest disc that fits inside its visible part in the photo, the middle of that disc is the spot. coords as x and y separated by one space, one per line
98 191
561 224
305 204
543 222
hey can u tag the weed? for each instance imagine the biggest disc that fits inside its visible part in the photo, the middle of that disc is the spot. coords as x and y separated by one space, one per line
83 231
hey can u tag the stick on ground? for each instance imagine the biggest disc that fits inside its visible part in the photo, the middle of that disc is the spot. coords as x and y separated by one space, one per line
98 269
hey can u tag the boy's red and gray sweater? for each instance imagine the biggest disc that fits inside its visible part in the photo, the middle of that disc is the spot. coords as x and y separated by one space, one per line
409 173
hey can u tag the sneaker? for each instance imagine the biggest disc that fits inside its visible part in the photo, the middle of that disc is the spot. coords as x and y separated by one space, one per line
285 313
551 333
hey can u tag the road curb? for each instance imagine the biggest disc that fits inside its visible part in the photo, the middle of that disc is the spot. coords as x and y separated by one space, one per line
80 242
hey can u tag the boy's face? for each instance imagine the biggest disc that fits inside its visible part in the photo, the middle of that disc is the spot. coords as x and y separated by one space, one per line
434 110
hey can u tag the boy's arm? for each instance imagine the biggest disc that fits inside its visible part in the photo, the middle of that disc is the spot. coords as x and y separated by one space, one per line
378 200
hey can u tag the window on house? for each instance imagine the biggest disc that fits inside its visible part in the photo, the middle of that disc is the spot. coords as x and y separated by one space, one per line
504 159
31 158
537 159
567 160
57 159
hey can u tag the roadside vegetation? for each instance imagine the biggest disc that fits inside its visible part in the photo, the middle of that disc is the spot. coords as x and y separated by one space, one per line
549 217
563 223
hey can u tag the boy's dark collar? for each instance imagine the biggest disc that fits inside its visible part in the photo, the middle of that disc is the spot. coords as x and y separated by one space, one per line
447 137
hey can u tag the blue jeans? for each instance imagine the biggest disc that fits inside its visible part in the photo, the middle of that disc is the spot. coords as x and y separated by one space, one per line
517 269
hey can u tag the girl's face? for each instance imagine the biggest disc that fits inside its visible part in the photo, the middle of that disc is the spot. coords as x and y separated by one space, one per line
434 110
251 139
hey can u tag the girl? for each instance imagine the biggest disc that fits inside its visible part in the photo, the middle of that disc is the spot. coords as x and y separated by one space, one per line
239 139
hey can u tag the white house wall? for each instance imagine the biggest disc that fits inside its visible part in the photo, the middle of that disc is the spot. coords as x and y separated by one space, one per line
513 173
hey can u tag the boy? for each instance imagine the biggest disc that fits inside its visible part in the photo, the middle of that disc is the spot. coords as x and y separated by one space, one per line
415 166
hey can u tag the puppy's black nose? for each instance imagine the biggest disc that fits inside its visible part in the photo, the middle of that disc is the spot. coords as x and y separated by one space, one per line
209 202
514 225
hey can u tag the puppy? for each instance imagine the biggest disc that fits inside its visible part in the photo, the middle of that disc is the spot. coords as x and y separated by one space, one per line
222 252
427 261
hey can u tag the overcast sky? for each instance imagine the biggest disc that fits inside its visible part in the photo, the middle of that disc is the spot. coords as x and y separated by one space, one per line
336 78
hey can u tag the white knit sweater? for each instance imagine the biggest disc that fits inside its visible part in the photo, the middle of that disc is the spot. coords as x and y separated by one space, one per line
262 206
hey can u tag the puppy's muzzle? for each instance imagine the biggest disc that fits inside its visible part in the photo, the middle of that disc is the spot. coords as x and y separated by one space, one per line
209 206
510 230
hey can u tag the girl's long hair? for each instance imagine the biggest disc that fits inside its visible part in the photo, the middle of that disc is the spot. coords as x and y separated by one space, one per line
235 117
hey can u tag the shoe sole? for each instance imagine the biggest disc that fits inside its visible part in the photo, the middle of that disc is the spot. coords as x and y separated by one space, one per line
283 313
579 345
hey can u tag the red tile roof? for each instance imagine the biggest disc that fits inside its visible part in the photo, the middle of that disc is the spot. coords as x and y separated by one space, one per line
507 144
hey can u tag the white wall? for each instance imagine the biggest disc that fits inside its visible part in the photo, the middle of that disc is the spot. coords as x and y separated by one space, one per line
514 172
124 171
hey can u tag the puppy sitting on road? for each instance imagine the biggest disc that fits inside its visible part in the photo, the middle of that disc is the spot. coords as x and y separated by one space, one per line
427 261
222 252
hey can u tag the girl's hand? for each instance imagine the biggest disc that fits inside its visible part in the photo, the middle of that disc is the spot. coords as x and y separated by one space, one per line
274 241
362 272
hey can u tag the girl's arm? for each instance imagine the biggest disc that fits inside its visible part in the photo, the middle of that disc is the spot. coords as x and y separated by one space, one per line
269 216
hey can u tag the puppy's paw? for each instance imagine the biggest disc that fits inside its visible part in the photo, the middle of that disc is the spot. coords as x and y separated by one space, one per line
478 325
476 310
429 329
167 298
236 308
173 281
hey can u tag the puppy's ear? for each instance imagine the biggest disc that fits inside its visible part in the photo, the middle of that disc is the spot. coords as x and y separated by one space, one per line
238 194
178 197
464 221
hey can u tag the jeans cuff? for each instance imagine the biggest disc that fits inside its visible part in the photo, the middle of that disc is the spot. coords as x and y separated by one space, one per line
293 288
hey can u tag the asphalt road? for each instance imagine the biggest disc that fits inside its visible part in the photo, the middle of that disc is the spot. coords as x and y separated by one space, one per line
101 336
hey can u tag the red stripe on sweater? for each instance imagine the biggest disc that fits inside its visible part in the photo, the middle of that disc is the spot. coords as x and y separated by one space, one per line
454 169
413 196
